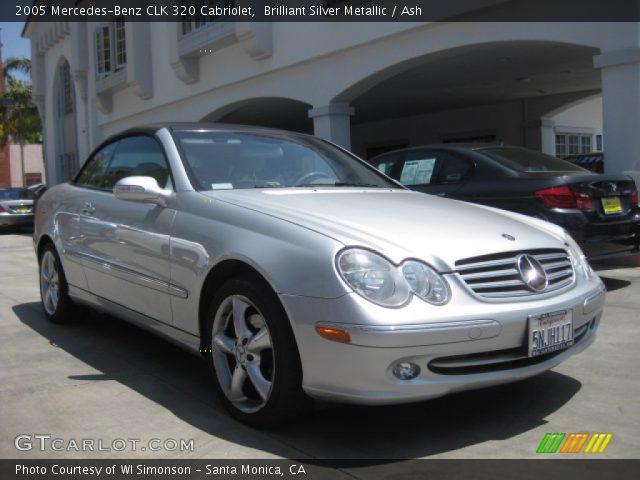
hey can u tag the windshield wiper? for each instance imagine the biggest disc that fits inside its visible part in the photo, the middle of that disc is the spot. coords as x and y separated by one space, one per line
269 185
352 184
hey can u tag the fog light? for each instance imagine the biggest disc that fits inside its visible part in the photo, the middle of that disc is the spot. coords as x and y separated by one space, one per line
406 370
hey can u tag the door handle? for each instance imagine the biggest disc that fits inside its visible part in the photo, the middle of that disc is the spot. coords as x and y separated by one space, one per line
88 208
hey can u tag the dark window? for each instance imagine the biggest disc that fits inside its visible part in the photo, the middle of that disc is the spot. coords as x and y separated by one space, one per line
137 156
15 194
93 172
67 96
425 167
388 164
32 178
523 160
191 23
454 169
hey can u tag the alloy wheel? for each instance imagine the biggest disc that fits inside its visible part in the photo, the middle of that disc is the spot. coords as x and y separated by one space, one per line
242 353
49 282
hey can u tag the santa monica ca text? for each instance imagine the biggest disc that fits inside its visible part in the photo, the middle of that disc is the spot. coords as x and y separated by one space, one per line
142 469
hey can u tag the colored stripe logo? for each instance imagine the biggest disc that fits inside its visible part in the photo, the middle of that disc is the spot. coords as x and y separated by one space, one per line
574 442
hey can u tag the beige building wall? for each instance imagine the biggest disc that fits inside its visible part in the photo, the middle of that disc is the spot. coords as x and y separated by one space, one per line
33 164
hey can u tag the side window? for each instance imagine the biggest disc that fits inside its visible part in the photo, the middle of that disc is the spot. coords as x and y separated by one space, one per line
137 156
92 174
388 164
454 169
419 167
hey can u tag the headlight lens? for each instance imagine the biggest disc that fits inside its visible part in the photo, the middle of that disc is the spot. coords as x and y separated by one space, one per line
378 280
425 282
373 277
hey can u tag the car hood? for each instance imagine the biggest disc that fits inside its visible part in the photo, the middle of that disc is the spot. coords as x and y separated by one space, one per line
400 224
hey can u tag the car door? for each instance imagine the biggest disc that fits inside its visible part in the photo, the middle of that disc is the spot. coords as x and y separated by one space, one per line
73 206
125 245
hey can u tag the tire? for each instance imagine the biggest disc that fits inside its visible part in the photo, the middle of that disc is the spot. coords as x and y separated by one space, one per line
252 354
54 290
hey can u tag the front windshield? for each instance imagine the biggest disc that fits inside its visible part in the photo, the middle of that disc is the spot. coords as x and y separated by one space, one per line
236 160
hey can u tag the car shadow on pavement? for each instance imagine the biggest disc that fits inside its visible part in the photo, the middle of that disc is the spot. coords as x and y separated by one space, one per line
125 353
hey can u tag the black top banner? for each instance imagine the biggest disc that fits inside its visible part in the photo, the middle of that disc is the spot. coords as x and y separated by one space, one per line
321 10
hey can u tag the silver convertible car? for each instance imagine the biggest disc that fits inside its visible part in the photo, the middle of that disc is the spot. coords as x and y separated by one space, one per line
298 271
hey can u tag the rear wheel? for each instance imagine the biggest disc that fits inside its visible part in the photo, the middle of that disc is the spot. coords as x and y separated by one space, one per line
252 354
54 290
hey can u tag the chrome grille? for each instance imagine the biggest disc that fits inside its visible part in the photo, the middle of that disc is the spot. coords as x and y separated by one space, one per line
497 276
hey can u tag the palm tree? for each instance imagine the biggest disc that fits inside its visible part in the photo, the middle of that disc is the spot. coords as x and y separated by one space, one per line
19 118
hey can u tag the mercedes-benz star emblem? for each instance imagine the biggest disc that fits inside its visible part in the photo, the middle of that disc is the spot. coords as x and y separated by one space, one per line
508 237
532 273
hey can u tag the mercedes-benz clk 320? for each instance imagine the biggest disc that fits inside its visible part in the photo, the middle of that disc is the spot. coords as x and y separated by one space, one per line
298 271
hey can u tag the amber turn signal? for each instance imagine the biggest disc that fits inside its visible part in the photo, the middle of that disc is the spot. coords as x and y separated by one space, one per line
334 334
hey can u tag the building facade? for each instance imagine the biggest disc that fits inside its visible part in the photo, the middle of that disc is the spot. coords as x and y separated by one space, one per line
370 87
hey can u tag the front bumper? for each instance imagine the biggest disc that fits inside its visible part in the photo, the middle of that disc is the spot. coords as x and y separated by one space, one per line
600 238
15 219
464 345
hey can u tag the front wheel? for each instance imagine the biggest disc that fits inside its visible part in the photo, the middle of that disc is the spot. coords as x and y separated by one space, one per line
54 290
252 354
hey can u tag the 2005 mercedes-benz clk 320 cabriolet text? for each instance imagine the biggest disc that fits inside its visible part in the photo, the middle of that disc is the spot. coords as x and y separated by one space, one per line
298 271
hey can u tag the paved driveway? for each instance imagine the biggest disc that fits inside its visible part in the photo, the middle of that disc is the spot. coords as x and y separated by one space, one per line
103 380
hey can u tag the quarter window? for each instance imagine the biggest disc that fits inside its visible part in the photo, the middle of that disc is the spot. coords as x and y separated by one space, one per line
93 172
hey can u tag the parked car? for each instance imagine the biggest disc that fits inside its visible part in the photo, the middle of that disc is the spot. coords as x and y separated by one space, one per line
16 207
297 270
599 211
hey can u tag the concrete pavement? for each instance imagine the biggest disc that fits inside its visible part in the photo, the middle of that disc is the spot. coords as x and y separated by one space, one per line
102 379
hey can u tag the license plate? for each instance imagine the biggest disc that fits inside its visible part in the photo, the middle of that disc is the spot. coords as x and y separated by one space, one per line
23 209
550 332
611 205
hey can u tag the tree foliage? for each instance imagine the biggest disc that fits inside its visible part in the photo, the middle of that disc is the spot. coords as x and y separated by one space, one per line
19 118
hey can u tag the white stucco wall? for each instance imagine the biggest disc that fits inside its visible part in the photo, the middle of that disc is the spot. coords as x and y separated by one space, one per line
583 117
316 63
33 162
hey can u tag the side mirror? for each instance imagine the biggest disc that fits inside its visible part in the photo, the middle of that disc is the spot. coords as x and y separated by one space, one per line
141 189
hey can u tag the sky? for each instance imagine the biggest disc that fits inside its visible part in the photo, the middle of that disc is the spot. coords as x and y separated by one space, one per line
12 44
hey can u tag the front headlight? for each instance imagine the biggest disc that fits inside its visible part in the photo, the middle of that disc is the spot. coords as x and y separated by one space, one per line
425 282
380 281
373 277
